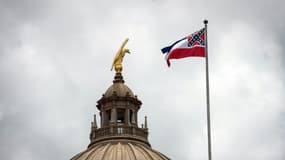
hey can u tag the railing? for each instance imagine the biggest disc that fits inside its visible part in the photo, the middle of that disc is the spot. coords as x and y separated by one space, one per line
119 131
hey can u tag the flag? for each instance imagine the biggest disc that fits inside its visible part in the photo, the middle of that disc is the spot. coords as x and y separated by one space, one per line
193 45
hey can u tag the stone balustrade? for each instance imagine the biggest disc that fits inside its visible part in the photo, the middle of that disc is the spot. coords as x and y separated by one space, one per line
119 131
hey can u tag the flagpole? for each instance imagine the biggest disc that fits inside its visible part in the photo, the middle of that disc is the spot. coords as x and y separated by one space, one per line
208 95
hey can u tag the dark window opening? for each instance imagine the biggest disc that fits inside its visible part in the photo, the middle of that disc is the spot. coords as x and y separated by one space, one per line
131 115
120 115
108 113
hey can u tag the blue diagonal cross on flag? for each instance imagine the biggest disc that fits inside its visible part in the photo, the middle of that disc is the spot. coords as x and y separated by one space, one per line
196 38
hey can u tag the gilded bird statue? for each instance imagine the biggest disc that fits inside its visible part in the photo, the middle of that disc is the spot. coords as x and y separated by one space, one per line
117 63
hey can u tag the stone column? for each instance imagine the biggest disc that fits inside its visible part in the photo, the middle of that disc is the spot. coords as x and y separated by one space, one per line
127 117
104 118
136 116
101 119
133 118
113 116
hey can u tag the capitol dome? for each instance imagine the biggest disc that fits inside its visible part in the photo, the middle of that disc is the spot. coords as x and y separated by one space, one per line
118 136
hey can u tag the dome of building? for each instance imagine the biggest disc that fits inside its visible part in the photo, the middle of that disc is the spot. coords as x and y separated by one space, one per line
119 88
119 150
118 136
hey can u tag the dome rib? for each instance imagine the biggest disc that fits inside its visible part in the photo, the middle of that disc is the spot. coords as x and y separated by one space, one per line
108 146
159 155
86 153
120 151
126 150
146 151
117 154
132 149
92 152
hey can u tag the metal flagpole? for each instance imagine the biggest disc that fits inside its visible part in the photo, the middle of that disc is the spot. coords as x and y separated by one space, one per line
208 96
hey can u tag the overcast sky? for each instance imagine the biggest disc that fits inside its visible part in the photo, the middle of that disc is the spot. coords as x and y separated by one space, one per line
55 59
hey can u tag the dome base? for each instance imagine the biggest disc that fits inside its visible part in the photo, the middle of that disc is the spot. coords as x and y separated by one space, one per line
120 150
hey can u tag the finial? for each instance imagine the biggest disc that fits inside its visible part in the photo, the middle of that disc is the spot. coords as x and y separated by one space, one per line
118 78
94 122
145 121
205 22
117 63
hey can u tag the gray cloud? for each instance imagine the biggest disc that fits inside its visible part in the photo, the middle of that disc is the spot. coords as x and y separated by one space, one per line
55 60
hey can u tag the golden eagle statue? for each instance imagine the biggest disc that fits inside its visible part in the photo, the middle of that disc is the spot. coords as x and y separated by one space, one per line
117 63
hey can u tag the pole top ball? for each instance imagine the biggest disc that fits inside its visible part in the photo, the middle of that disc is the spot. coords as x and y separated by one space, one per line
205 21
